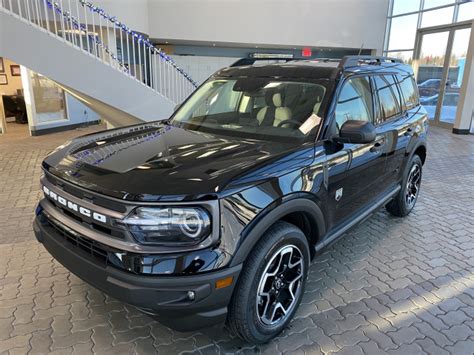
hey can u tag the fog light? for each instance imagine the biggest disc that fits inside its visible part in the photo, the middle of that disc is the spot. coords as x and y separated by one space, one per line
191 295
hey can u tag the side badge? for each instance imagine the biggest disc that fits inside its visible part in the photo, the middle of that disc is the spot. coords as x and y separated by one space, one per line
339 194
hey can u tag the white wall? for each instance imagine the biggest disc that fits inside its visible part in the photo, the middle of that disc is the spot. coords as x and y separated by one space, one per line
323 23
14 82
318 23
77 112
134 13
200 68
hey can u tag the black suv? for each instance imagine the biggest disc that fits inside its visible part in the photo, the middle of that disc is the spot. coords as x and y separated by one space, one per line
216 213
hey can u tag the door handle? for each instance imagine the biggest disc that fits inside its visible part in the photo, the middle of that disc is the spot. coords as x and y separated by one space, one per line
377 147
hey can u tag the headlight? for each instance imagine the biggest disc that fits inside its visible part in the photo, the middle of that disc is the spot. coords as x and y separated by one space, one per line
170 225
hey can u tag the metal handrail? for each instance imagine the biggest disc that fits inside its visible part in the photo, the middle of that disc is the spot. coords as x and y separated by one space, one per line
91 30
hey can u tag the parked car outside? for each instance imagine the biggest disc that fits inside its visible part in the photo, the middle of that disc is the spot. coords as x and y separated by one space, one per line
448 109
431 87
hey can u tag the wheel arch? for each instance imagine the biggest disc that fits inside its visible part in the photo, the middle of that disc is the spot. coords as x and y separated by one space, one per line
302 212
415 147
421 152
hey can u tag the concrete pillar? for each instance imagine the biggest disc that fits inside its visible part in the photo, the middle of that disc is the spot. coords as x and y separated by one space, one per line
465 112
3 122
29 98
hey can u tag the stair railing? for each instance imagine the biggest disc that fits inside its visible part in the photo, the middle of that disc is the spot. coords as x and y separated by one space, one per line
91 30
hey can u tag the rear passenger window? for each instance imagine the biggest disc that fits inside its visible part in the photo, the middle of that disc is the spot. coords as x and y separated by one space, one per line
388 97
408 89
355 101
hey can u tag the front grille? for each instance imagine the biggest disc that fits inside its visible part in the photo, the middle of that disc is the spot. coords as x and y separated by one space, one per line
107 230
106 256
93 249
87 195
75 195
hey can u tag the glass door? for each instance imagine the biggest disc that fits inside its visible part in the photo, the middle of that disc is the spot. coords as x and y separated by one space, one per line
432 56
440 56
457 62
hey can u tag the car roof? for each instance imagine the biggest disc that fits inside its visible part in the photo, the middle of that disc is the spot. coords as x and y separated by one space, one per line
318 68
293 69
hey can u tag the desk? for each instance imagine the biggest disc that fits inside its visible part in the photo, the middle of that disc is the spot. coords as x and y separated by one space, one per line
14 106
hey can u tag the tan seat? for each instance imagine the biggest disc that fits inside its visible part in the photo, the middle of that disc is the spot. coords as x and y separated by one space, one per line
276 109
317 105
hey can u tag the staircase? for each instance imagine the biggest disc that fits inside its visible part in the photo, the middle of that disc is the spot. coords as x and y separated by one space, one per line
92 55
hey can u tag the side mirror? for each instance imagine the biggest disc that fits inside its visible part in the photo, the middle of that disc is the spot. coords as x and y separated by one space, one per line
358 132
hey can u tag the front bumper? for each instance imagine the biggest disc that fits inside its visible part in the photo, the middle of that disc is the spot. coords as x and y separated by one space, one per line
165 297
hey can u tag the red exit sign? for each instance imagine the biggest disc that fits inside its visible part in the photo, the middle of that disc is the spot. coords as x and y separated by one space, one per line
306 52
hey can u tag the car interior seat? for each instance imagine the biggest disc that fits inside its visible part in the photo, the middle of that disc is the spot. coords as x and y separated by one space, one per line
274 112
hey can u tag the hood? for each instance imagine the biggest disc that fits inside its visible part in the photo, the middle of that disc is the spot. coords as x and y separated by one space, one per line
157 162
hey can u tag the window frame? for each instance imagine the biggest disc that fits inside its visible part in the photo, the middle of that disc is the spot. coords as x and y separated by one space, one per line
380 121
341 87
329 128
415 89
401 100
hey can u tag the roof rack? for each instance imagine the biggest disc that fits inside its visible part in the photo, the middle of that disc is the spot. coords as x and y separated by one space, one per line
347 61
250 61
350 61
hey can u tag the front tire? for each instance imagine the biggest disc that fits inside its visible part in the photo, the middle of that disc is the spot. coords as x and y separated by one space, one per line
406 199
271 284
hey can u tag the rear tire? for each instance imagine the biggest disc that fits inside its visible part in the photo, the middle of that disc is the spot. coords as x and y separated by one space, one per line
406 199
271 284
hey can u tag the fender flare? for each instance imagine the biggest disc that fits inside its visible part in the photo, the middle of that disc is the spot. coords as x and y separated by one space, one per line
411 150
271 214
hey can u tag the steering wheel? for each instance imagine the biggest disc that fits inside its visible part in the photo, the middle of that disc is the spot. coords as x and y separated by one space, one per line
288 122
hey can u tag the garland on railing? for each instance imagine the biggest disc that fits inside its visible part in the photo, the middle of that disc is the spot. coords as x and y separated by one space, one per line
138 37
78 26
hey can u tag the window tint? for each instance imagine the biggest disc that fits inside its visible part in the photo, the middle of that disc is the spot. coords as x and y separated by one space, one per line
355 101
387 93
408 89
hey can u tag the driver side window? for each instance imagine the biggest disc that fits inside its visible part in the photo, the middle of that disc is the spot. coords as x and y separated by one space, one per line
354 102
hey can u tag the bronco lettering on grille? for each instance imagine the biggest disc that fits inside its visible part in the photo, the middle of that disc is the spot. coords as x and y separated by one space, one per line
74 206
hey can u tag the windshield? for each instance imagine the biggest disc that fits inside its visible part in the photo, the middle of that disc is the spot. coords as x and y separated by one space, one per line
254 108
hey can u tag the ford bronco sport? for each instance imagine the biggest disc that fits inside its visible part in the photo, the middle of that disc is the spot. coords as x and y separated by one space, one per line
215 214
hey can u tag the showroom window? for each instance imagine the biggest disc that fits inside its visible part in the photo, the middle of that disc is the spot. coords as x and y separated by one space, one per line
407 16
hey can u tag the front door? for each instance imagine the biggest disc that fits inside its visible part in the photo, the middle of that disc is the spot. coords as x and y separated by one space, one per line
362 182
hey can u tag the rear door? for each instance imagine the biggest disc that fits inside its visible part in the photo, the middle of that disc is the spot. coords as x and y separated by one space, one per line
394 120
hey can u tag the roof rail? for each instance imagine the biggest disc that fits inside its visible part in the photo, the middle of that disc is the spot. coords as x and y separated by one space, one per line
349 61
325 60
250 61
